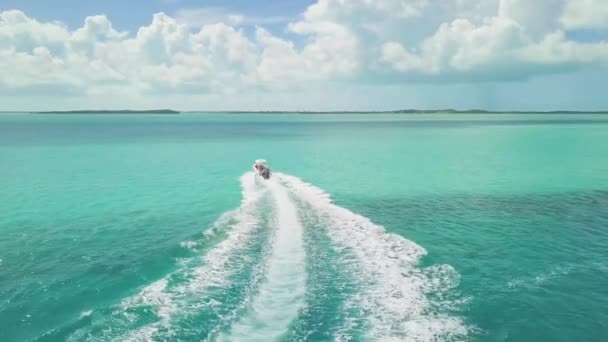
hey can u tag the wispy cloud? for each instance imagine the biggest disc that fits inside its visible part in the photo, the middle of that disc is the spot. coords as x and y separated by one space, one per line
197 17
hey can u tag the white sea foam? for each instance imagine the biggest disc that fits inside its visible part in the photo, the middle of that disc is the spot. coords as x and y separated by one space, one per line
394 292
189 244
166 300
214 272
86 313
155 296
281 294
145 334
540 279
229 218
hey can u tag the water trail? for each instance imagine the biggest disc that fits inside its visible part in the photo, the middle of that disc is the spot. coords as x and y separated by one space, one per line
154 312
250 281
282 292
540 279
329 286
395 296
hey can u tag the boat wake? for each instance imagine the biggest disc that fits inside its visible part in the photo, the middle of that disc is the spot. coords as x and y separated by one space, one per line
398 300
289 264
281 294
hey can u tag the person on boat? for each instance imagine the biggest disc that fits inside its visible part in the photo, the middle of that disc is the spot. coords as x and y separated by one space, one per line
261 169
265 172
257 167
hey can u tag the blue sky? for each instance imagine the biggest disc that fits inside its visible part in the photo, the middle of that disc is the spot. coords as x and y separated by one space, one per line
304 55
130 15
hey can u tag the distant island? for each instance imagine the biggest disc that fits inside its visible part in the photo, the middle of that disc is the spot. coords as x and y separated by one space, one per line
406 111
400 111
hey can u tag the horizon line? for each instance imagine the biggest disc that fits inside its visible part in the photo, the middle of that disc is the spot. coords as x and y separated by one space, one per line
396 111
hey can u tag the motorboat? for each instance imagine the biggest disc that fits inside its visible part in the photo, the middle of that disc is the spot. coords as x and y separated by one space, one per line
260 167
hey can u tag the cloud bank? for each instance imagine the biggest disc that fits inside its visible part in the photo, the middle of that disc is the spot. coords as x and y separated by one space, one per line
208 51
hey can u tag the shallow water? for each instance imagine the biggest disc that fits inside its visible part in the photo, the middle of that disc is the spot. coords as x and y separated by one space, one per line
375 227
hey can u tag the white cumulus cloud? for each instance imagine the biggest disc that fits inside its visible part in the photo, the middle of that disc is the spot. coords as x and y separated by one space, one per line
585 14
210 51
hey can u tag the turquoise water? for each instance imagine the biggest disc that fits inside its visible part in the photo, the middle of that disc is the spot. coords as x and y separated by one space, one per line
374 227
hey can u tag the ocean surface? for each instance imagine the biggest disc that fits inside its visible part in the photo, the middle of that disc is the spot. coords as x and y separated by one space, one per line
372 228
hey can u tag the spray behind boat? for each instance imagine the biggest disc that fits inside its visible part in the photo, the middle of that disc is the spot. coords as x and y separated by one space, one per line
260 167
